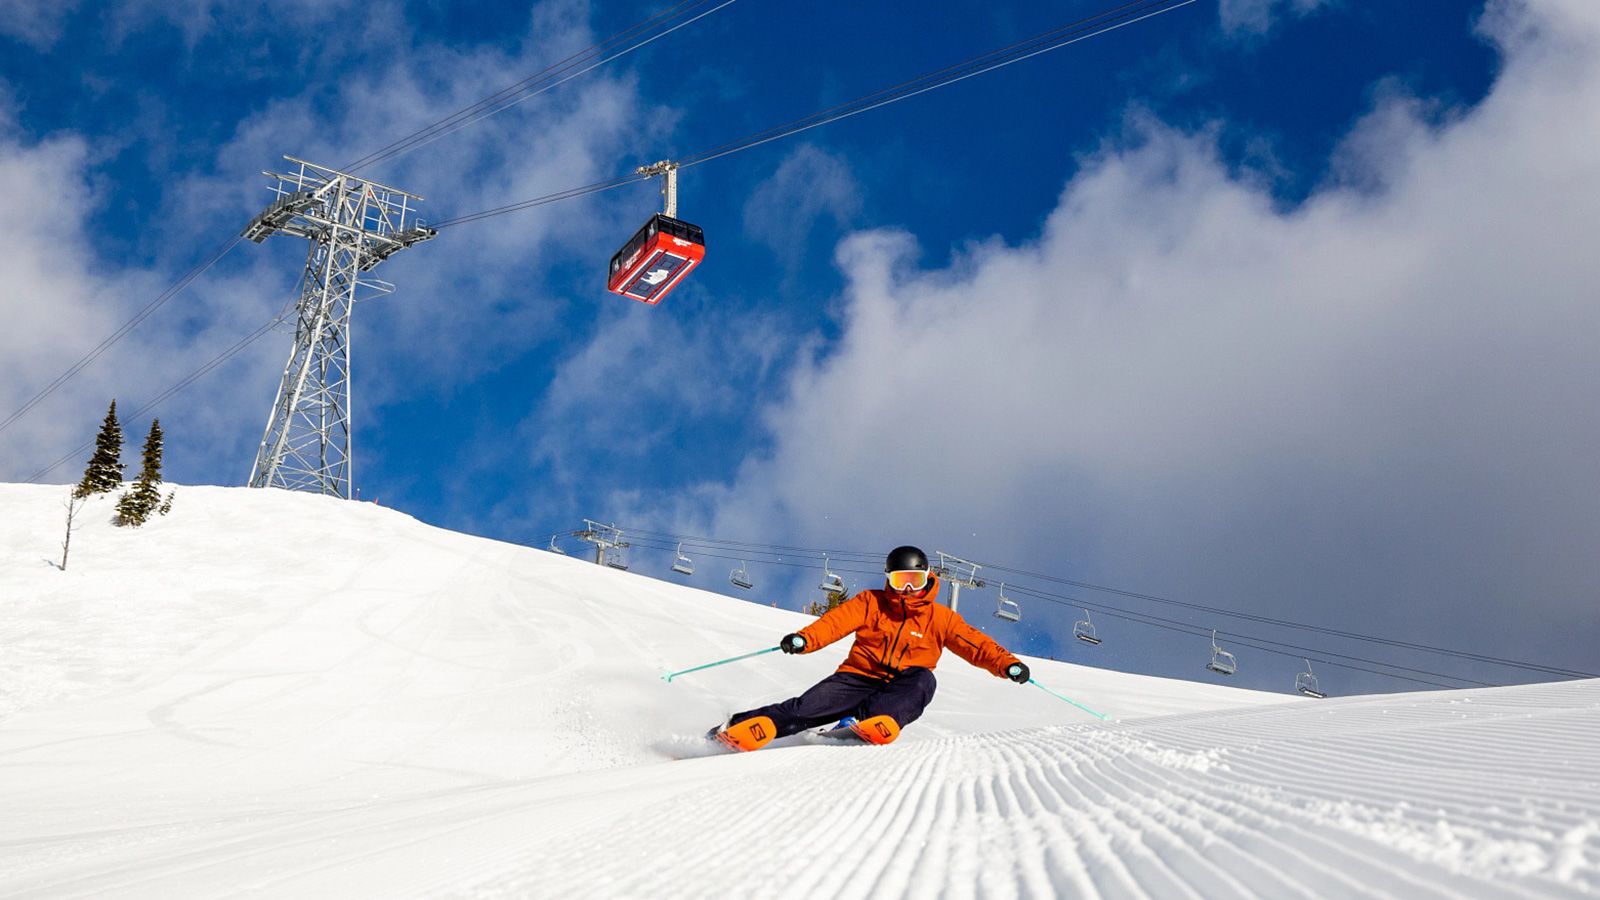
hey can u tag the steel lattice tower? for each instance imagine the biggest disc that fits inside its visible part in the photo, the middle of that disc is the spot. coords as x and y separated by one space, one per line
353 224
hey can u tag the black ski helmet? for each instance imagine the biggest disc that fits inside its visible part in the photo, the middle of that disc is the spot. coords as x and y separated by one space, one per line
904 558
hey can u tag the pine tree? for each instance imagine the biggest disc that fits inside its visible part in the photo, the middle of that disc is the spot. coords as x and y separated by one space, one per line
104 472
134 507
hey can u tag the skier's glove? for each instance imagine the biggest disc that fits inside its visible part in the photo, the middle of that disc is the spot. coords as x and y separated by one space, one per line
1018 672
792 643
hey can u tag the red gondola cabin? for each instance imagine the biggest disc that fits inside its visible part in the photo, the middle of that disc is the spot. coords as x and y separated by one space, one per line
650 265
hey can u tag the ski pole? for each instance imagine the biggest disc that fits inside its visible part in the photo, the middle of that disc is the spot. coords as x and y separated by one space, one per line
721 662
1068 699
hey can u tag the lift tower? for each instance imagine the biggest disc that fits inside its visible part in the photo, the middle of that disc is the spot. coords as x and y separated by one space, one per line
353 224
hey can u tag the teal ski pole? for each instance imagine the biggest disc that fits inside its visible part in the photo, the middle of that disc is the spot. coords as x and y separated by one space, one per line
1069 700
721 662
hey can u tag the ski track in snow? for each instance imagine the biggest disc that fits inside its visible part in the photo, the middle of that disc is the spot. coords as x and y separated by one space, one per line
1270 802
428 714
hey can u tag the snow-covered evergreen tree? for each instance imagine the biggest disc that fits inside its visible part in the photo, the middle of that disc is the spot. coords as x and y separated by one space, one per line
134 507
104 472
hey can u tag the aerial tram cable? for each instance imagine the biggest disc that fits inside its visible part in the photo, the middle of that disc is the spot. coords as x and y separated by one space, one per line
495 103
1071 33
552 76
1082 29
187 380
558 196
1056 38
237 348
83 362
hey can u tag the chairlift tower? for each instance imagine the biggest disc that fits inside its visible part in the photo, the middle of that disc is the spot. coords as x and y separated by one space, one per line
353 224
958 572
604 537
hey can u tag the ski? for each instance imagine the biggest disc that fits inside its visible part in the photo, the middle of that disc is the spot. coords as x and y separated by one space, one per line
876 730
751 734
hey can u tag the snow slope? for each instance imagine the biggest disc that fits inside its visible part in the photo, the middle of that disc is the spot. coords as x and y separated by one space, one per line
289 695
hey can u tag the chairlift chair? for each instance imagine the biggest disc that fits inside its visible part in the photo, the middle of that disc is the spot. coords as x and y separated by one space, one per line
1084 630
831 582
554 548
617 559
1306 683
1006 608
683 565
741 578
1222 662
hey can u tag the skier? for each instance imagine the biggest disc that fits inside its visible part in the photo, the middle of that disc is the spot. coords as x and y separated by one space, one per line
887 679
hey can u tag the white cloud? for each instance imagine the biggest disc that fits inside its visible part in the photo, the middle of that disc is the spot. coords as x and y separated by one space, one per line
37 23
1376 407
807 186
1258 16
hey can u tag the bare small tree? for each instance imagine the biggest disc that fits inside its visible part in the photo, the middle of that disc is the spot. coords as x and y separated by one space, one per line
74 503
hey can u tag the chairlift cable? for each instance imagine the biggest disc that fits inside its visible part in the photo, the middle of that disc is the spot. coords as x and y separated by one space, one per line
1247 643
707 541
1135 617
1077 603
1132 616
779 550
1288 623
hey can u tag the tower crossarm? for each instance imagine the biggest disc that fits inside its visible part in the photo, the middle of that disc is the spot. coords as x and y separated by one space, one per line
279 214
381 248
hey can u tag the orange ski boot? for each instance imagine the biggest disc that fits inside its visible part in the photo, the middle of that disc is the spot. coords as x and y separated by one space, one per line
751 734
877 730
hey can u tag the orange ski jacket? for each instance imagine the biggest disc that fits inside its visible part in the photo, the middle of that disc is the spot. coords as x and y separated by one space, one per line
895 632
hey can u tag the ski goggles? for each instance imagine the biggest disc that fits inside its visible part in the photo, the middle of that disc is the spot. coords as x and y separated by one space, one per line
908 579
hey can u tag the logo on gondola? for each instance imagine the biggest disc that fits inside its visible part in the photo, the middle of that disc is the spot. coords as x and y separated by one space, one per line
654 276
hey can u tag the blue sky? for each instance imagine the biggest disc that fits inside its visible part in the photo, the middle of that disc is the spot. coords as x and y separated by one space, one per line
1270 306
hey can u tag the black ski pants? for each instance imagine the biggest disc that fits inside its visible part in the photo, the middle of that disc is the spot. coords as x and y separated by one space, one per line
841 694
